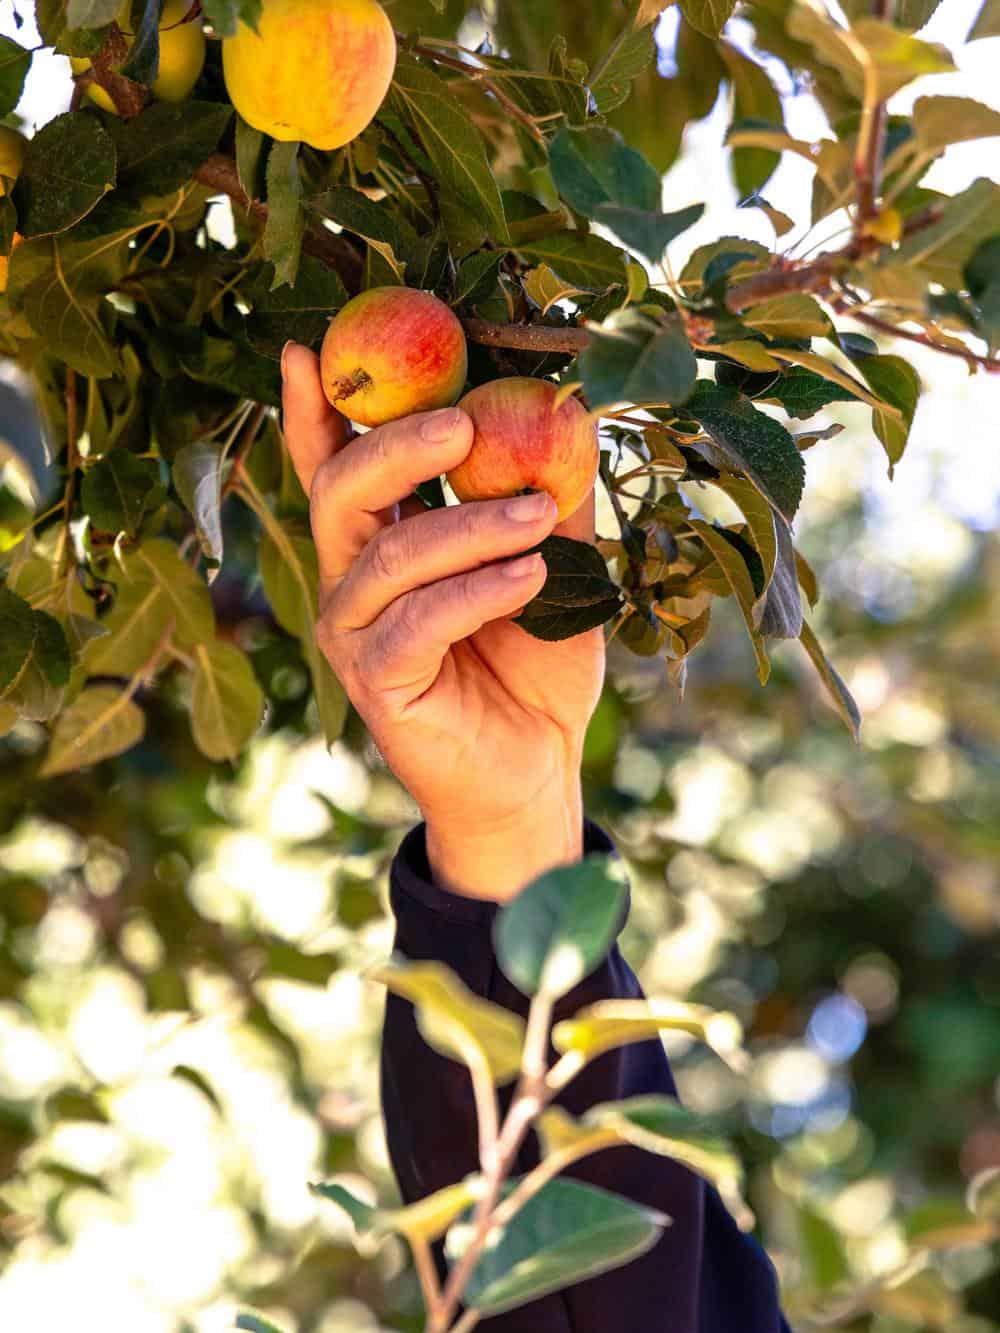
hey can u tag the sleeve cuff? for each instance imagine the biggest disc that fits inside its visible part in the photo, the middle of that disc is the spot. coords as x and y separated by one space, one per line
410 879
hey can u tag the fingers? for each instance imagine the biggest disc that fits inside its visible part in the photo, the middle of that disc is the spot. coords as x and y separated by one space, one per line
434 546
374 473
404 649
314 431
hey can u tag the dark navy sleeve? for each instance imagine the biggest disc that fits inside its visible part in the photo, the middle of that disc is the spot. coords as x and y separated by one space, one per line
703 1276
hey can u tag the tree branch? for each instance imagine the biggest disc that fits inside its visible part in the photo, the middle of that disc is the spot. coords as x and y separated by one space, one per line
219 174
974 362
871 141
526 337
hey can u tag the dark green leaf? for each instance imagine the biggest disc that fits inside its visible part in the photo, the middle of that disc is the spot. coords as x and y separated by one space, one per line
224 15
240 369
372 221
707 16
286 221
587 262
649 233
982 278
69 165
18 630
593 166
450 139
750 442
634 359
300 312
567 1232
15 62
91 13
160 150
197 476
577 595
249 158
117 490
196 1079
52 650
803 393
477 276
755 99
896 382
558 929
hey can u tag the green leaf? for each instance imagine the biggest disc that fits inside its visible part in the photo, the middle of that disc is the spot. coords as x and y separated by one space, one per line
942 248
737 575
229 364
559 928
101 722
197 477
939 122
252 1323
456 1022
748 441
226 701
588 262
224 15
629 57
15 62
425 1220
300 312
477 276
896 382
755 100
577 594
708 16
803 393
69 166
634 359
450 139
249 158
982 278
160 149
593 166
761 522
648 232
608 1024
157 587
793 315
890 57
753 257
366 218
91 13
119 489
565 1233
842 698
822 1249
286 220
18 631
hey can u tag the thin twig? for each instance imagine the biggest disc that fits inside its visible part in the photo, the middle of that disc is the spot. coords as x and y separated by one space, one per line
990 365
479 74
426 1272
871 136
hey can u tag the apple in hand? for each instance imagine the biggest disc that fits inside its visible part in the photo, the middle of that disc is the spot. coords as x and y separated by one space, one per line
392 351
523 442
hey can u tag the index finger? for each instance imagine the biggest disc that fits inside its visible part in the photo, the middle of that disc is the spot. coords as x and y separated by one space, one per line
314 431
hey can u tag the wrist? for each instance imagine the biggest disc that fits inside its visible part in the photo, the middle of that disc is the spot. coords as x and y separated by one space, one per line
497 860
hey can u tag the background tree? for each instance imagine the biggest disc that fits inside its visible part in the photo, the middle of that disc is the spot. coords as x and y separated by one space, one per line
840 901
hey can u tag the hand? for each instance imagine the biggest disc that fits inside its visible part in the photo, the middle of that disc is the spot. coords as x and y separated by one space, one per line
483 724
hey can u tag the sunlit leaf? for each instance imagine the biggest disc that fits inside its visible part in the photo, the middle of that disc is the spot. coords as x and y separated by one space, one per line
102 722
455 1021
794 315
841 696
610 1023
226 702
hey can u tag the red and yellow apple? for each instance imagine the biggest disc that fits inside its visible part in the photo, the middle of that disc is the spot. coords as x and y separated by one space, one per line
182 55
524 442
315 70
12 147
392 351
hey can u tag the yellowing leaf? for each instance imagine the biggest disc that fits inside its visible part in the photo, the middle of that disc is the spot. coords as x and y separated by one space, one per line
737 575
426 1220
226 702
793 315
760 519
102 722
746 351
546 287
611 1023
454 1021
941 121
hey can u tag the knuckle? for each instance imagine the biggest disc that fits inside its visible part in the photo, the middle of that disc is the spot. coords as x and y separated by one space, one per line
385 555
322 487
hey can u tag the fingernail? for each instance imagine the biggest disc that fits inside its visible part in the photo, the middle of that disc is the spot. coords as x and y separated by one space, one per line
284 358
440 426
525 567
528 508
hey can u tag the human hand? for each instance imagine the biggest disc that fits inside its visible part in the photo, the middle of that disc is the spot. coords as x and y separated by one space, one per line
483 724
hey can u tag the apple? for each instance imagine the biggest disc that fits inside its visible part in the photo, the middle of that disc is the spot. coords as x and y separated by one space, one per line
11 157
392 351
524 442
182 55
315 70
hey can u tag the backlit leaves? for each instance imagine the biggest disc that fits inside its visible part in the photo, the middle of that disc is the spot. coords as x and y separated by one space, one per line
15 62
226 702
102 722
